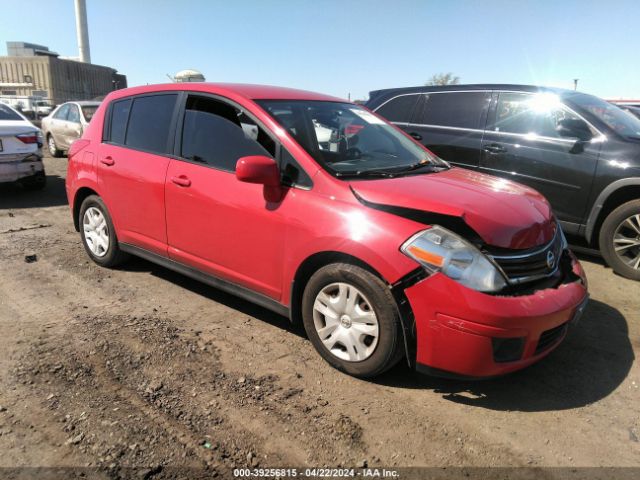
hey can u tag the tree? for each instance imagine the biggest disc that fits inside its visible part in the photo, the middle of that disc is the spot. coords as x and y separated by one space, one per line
443 79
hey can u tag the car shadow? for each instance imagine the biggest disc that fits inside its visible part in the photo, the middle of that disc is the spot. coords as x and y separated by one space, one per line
594 359
53 194
137 264
590 364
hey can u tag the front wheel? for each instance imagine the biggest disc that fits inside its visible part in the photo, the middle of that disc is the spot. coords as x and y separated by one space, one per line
97 232
620 240
352 320
53 148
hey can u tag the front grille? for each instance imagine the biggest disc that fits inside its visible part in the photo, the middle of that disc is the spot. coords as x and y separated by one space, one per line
532 264
549 338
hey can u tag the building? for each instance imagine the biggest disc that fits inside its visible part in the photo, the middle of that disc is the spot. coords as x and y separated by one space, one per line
34 70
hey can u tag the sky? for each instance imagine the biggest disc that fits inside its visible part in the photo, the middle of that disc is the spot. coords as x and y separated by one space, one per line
349 47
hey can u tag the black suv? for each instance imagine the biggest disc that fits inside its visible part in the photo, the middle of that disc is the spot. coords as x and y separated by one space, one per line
579 151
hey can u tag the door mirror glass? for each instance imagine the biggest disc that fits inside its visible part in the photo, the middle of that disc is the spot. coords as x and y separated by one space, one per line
574 128
258 169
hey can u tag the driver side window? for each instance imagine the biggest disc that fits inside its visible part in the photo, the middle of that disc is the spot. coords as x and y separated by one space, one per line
217 134
530 114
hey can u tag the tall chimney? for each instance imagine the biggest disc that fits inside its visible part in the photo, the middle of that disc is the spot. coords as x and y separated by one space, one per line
82 31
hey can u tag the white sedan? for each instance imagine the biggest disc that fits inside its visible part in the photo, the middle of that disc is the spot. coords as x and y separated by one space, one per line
20 150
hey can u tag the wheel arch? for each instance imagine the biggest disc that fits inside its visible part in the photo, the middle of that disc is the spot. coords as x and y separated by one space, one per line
614 195
318 260
81 194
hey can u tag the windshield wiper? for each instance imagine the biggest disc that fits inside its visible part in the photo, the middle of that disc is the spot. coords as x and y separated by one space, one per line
366 173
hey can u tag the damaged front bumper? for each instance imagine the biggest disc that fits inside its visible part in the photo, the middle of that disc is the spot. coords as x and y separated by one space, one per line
467 333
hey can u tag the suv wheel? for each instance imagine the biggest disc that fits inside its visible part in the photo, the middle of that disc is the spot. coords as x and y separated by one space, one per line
97 232
53 148
620 240
351 319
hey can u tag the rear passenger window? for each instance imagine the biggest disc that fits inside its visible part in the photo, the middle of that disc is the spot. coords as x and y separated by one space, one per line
457 109
217 134
150 123
119 116
399 109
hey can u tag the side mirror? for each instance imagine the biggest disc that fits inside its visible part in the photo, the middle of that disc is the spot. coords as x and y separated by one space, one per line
574 128
258 169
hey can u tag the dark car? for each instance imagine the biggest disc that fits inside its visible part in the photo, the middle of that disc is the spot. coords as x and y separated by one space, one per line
578 150
635 111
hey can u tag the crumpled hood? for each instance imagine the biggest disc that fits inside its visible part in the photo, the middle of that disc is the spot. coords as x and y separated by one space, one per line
503 213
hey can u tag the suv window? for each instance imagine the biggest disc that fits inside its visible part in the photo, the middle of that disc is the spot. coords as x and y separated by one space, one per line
455 109
150 122
62 112
74 114
119 116
217 134
526 113
399 109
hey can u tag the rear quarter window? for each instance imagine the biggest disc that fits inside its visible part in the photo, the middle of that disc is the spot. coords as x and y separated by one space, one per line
118 124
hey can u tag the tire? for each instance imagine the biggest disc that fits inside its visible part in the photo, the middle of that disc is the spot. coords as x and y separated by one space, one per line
35 182
369 356
54 151
92 227
621 229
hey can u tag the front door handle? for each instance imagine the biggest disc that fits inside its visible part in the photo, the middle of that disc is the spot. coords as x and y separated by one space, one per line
494 148
108 161
181 181
415 135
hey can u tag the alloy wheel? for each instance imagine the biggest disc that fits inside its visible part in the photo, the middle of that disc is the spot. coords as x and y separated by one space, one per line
345 322
626 241
96 233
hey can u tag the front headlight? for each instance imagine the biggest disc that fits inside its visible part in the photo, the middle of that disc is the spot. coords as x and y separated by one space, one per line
439 250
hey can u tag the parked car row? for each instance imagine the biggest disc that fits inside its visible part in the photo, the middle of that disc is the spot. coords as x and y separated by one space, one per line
582 153
322 211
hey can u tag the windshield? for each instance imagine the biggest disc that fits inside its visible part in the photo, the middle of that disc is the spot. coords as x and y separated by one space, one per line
6 113
612 116
88 111
347 139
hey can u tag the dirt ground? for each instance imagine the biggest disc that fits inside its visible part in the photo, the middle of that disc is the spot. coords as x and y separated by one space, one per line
135 371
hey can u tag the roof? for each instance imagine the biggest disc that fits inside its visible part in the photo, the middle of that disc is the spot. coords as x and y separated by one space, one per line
86 103
248 91
461 88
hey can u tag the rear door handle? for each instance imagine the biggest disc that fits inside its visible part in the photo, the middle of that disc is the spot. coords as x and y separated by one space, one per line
182 181
494 148
108 161
415 135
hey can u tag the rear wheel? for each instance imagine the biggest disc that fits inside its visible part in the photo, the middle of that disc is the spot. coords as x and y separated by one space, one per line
351 319
53 148
97 232
620 240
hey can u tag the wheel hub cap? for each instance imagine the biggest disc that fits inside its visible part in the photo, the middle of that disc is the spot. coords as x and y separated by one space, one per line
96 234
345 322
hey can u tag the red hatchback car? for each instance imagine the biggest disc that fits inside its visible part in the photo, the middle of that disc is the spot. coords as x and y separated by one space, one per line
316 208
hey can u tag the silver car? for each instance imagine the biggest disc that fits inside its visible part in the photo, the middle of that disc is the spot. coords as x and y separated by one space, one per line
65 125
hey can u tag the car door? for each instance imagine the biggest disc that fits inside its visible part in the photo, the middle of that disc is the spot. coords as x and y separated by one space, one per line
451 125
58 124
216 223
521 143
72 127
132 166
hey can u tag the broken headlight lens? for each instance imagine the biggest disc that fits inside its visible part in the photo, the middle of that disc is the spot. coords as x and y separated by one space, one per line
440 250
